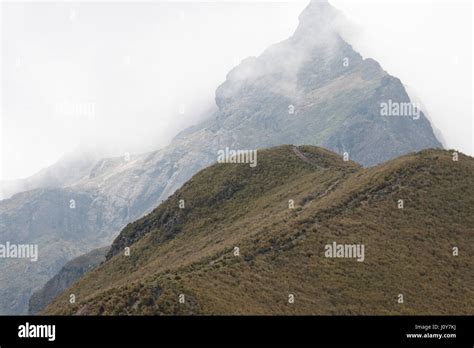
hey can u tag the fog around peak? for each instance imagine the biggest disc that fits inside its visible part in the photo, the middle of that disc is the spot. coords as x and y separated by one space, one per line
110 78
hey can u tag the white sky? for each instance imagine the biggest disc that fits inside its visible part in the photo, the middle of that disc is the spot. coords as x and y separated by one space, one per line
127 76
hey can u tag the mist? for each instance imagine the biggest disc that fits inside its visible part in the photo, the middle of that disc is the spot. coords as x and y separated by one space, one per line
119 77
428 46
110 78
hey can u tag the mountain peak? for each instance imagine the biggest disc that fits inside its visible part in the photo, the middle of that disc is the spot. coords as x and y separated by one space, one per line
318 17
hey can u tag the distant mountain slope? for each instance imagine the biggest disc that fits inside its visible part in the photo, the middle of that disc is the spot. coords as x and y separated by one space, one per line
69 169
299 91
69 274
191 251
64 223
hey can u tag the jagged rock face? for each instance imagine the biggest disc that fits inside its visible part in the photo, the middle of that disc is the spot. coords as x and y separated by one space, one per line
335 94
299 91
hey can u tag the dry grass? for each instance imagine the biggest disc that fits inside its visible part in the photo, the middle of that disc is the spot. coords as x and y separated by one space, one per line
408 251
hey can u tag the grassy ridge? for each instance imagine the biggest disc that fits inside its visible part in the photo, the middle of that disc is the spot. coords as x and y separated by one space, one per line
190 251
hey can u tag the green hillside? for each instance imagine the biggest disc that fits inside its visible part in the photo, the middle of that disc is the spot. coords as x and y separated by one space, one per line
281 251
